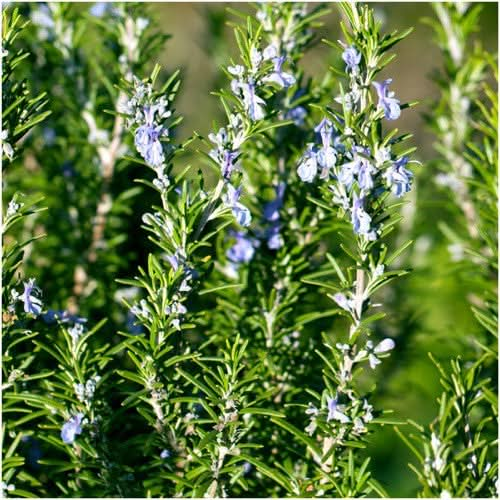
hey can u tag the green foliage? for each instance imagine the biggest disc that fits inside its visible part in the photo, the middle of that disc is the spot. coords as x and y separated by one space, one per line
193 316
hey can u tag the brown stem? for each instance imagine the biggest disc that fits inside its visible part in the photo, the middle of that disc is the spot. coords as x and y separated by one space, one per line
108 156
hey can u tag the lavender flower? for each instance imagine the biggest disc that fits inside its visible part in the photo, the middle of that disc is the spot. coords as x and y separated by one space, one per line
240 212
351 57
99 9
308 166
274 238
32 304
72 428
334 412
272 208
296 114
398 177
347 173
254 105
365 179
228 166
283 79
342 301
387 101
326 156
242 251
148 145
360 219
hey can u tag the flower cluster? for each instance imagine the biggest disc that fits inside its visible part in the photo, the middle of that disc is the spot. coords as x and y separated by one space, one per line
85 392
356 174
436 461
147 115
345 419
262 76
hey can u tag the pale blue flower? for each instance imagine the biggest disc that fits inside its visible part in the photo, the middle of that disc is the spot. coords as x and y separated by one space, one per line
351 57
229 157
148 145
254 105
173 260
342 301
274 238
334 412
297 114
272 208
165 454
347 173
32 304
242 251
325 130
99 9
398 177
52 315
382 347
360 219
72 428
280 77
387 101
365 179
240 212
308 166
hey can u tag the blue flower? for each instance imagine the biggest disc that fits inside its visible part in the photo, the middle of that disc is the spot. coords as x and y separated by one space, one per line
283 79
308 166
165 454
173 260
398 177
228 163
326 156
387 101
274 238
242 251
52 315
365 179
351 57
72 428
360 219
240 212
272 208
148 145
99 9
297 114
347 173
325 130
334 412
32 304
254 105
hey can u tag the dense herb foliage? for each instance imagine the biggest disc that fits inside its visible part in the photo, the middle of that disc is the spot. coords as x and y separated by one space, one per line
219 315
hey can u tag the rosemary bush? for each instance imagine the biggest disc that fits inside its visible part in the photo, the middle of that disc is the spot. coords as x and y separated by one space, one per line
232 313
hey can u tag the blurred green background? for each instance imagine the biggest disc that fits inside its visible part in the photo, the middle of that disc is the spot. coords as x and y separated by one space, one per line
430 311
